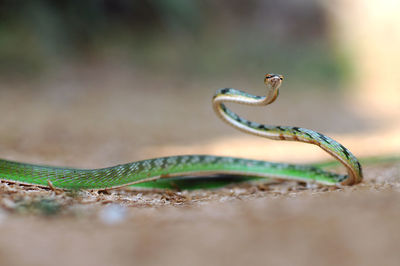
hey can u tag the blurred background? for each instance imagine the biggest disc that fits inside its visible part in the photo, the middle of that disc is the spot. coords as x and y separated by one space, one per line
95 83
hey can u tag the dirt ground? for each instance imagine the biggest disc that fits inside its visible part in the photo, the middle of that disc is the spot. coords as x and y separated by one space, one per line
86 123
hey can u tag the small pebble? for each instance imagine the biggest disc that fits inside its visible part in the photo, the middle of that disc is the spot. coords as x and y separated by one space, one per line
113 214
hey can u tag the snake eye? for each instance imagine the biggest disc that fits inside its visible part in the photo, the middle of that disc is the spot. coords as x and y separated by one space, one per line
268 76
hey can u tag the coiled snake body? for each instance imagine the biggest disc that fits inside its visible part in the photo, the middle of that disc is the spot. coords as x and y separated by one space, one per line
186 165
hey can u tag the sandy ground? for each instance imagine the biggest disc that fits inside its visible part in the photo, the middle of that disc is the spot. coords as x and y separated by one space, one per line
84 123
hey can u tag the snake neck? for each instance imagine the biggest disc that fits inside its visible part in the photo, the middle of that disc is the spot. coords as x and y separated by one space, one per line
332 147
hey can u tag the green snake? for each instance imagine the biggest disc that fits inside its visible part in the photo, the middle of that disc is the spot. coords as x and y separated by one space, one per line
204 165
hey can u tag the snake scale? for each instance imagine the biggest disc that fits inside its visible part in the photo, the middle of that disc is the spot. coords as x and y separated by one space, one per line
204 165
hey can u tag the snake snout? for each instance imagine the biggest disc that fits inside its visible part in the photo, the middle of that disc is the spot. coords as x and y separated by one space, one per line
273 79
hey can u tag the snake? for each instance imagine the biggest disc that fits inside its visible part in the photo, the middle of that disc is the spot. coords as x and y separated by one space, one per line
163 168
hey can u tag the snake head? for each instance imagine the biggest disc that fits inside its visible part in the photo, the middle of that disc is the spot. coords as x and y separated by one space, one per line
273 80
